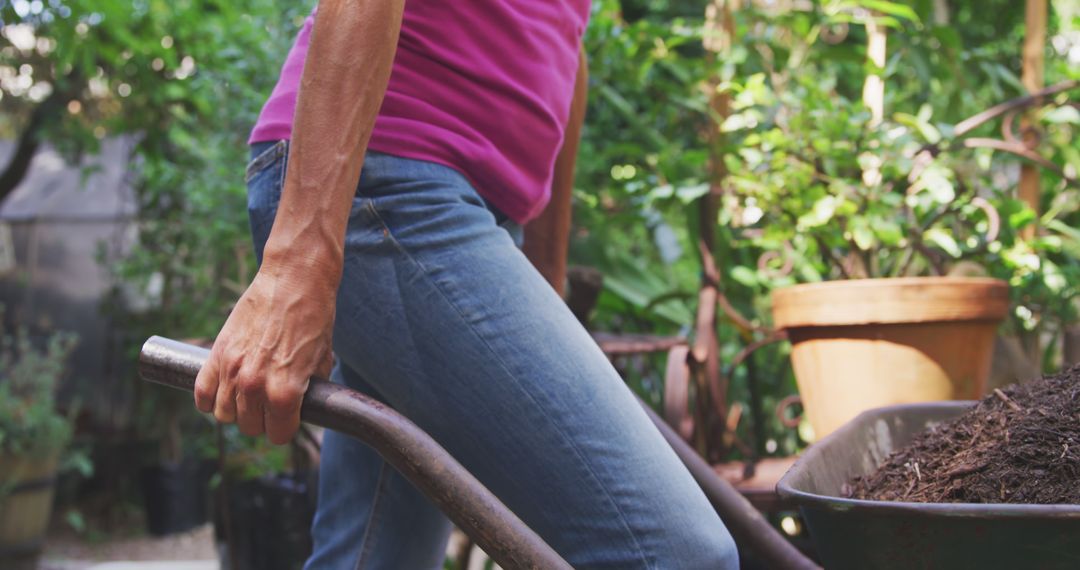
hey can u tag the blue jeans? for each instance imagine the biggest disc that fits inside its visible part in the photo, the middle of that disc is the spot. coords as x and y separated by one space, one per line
441 316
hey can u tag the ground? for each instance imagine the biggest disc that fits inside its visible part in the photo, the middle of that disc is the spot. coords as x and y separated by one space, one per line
194 550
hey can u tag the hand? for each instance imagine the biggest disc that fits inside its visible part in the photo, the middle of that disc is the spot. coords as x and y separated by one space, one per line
277 337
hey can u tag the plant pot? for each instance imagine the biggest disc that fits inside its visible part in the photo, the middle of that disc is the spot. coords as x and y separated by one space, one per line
867 343
175 497
26 495
269 522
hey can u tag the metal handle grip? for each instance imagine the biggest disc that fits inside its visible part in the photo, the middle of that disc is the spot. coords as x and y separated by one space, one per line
472 507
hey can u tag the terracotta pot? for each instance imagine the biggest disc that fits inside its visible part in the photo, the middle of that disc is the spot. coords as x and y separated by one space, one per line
866 343
26 494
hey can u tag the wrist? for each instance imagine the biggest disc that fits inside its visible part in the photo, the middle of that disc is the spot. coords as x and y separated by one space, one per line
316 262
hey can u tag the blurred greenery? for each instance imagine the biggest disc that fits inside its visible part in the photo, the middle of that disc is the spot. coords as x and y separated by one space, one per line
186 78
795 205
30 424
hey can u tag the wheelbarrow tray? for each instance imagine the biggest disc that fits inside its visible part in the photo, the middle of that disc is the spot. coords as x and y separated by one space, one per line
860 534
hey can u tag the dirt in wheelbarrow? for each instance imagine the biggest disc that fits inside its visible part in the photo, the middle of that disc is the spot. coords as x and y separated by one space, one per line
1020 444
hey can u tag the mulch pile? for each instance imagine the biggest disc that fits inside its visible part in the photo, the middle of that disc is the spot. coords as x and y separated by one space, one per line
1020 444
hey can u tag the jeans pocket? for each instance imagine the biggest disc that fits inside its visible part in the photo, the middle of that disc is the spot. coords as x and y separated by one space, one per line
265 174
265 177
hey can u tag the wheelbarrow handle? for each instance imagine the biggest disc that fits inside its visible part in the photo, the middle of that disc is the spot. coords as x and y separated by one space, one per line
470 505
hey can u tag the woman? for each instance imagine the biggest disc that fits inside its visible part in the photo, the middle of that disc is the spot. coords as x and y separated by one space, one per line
451 116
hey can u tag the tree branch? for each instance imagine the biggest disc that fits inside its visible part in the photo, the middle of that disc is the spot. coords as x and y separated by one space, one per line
29 141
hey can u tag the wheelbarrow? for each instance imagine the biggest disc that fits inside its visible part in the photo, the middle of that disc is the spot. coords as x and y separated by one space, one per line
465 501
860 534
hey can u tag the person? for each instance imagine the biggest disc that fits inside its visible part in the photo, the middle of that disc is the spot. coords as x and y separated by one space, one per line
394 164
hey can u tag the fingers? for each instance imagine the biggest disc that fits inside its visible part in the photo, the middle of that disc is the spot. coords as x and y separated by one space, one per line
206 385
283 412
249 413
225 401
235 390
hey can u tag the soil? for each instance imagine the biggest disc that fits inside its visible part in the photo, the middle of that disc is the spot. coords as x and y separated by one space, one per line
1020 444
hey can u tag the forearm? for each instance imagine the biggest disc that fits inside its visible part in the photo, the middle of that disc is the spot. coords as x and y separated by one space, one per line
548 236
344 80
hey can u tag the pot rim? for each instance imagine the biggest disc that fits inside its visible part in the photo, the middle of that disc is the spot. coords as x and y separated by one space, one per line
891 301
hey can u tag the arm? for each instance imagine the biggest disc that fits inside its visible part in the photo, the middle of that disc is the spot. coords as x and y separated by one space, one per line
548 236
279 334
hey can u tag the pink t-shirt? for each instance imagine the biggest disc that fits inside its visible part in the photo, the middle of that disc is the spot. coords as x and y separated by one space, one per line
481 86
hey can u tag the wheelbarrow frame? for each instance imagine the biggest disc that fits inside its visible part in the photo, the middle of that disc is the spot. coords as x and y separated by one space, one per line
455 491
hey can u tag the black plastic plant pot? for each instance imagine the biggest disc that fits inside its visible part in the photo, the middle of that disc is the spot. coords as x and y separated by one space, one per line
851 533
176 497
270 523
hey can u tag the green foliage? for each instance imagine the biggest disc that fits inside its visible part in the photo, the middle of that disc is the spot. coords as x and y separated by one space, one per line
184 80
29 376
192 167
825 194
250 458
637 188
835 197
814 191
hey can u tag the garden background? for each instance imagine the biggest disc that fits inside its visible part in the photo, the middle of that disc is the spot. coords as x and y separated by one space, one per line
769 136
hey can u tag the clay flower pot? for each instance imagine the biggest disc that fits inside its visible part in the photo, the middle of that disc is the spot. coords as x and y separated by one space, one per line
866 343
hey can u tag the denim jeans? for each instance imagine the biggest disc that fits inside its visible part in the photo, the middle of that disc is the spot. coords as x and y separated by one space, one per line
441 316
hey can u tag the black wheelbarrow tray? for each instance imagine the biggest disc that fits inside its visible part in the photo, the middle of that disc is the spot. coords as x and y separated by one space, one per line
851 533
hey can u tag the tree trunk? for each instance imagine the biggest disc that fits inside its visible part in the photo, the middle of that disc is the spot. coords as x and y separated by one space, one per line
28 143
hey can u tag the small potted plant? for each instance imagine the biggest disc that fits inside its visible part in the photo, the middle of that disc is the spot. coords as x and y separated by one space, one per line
174 480
33 437
265 500
877 229
890 247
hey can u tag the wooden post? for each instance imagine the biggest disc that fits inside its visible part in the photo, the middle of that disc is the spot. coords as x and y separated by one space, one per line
1032 78
711 411
941 12
874 86
874 99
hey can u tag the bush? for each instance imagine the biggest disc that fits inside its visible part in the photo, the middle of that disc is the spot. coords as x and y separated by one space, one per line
29 421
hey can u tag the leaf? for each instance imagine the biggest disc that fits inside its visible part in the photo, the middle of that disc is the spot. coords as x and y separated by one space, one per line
938 186
943 240
948 37
1062 115
632 115
920 123
76 521
862 234
632 281
738 121
888 231
820 213
1064 229
744 275
667 242
688 194
1021 218
752 157
892 8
